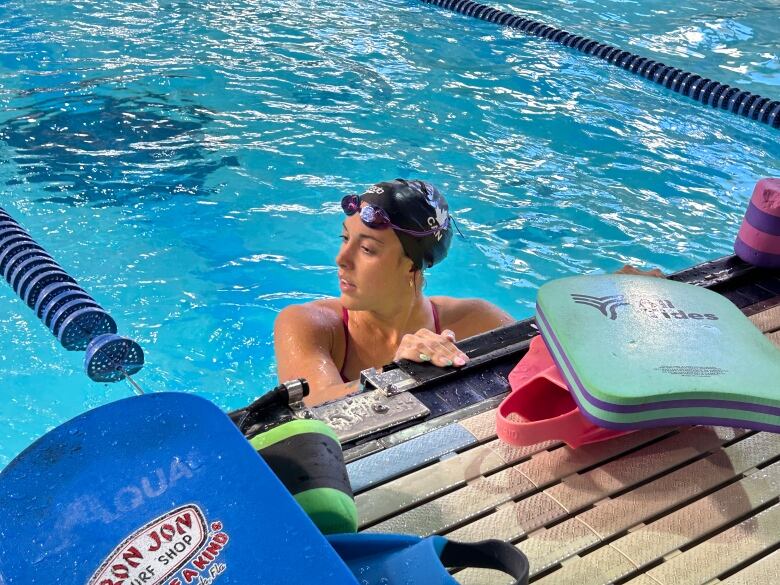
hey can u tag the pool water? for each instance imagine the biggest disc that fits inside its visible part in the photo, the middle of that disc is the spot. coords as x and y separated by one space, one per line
184 161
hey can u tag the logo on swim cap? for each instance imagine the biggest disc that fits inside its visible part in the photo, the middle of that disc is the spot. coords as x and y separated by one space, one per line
418 213
438 221
375 189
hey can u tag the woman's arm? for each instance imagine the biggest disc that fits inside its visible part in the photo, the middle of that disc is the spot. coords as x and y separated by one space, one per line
303 342
469 317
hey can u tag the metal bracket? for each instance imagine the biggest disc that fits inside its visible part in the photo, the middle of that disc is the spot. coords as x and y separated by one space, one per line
301 411
361 415
391 382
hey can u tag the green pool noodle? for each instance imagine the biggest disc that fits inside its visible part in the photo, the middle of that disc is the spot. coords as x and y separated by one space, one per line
306 456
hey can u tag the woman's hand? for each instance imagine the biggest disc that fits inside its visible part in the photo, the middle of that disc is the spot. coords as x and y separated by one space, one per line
427 346
628 269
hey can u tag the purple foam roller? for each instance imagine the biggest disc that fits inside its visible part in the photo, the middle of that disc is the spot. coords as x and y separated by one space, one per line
758 240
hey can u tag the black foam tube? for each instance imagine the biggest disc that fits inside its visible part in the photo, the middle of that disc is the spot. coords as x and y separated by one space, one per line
65 308
706 91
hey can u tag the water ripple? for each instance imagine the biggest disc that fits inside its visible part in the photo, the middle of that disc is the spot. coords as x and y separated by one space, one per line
185 162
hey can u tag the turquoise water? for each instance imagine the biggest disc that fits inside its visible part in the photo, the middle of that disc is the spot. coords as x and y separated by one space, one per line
184 162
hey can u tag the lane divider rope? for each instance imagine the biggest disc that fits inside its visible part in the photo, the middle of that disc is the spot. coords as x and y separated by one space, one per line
704 90
71 314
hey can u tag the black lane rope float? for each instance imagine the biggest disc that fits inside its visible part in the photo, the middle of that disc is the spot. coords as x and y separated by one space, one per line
704 90
70 313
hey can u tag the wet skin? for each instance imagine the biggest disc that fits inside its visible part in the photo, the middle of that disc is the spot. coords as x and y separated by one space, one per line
389 318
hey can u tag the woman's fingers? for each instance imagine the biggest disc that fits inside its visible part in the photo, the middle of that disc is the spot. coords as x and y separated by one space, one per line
444 351
628 269
447 344
427 346
450 346
413 351
448 354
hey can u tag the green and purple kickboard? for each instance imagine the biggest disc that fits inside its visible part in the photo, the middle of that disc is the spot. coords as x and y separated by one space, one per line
646 352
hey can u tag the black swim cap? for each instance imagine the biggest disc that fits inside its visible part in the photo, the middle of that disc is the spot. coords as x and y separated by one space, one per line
415 205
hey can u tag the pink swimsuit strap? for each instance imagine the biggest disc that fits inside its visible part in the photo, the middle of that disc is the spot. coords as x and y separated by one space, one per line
345 324
436 325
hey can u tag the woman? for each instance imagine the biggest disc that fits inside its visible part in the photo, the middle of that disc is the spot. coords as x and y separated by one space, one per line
392 232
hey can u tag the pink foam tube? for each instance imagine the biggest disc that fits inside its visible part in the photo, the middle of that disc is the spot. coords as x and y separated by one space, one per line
758 240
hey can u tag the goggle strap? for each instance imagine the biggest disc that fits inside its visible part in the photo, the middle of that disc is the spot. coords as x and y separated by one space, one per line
353 207
460 233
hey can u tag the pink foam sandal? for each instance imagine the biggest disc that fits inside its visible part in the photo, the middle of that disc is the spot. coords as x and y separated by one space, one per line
540 407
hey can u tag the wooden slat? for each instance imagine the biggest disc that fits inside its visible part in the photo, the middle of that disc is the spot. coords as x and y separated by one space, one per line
765 571
768 320
441 477
614 516
512 454
551 466
515 520
481 495
720 553
549 546
605 565
485 493
405 457
611 517
640 580
703 516
698 565
406 491
482 577
546 548
580 490
512 520
482 426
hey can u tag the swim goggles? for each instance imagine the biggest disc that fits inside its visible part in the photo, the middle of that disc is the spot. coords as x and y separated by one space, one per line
377 218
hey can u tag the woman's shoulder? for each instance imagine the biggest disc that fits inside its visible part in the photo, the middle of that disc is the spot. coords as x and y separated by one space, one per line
467 317
320 316
457 306
306 342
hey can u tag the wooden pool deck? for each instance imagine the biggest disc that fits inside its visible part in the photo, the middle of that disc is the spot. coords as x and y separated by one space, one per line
666 506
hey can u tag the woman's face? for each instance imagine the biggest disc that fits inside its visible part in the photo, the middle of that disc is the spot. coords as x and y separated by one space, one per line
372 266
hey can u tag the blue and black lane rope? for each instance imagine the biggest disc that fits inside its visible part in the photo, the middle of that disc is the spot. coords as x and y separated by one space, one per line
70 313
704 90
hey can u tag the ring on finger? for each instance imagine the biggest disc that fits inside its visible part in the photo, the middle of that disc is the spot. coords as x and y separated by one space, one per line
424 357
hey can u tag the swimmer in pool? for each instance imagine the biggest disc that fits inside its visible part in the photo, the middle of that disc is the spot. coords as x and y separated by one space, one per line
391 234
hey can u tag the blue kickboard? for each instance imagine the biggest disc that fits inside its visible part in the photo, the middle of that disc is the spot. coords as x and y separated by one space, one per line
158 489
